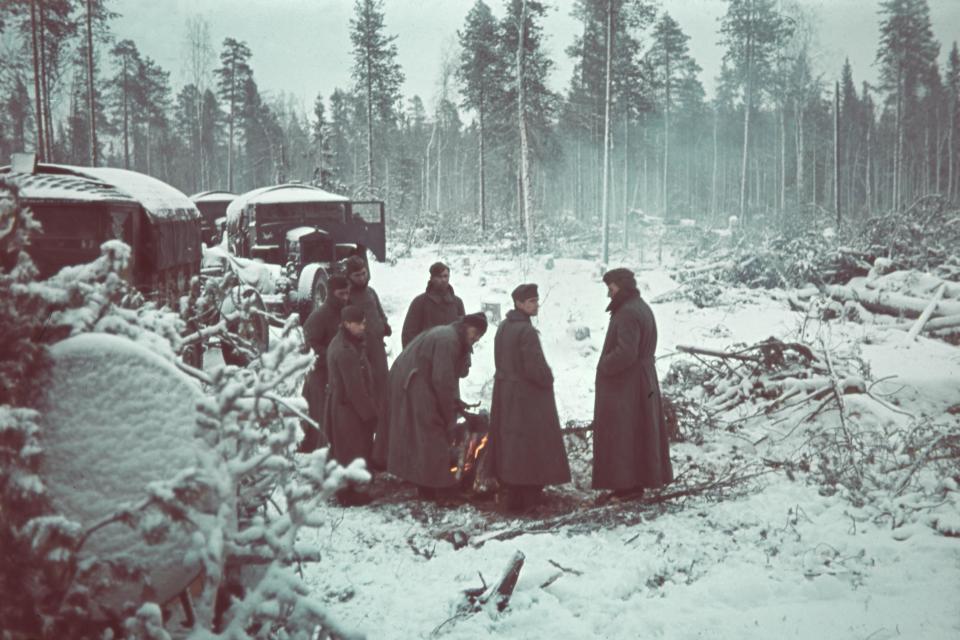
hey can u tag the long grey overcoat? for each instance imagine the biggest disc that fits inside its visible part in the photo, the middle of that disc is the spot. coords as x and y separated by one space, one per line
525 437
630 445
377 328
350 413
319 329
431 308
424 391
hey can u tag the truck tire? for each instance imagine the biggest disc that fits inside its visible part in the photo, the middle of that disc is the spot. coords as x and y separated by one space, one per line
311 289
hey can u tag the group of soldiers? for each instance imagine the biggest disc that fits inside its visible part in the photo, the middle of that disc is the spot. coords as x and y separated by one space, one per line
402 419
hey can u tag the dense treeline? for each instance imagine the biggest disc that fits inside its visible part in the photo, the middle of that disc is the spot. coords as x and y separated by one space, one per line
498 150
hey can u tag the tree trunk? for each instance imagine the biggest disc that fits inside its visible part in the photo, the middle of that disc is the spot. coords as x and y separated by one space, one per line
716 162
745 156
666 130
836 150
370 126
868 173
91 93
483 185
45 84
525 178
605 198
126 121
38 98
626 176
898 153
783 157
799 185
233 105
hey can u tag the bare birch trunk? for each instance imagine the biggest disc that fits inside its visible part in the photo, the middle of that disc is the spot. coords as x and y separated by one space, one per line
605 202
38 98
525 178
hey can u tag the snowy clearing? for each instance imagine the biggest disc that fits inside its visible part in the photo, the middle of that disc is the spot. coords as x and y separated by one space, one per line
778 557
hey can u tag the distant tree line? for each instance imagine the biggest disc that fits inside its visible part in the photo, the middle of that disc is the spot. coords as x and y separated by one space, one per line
498 149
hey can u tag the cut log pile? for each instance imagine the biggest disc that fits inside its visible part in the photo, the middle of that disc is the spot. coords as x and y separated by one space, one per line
903 266
914 302
772 375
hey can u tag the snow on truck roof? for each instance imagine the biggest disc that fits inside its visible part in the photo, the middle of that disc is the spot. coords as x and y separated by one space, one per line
279 194
213 196
47 187
55 182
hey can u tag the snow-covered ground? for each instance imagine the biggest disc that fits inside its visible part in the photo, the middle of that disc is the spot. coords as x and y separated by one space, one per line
783 560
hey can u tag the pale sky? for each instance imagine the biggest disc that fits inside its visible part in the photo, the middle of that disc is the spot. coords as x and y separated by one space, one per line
301 47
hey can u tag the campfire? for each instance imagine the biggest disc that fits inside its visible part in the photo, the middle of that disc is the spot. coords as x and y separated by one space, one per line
471 466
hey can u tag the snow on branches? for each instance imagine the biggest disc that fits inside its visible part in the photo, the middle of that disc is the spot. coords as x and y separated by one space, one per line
239 504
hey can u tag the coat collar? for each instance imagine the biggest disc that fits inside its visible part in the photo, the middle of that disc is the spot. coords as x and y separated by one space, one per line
439 296
515 315
621 298
355 342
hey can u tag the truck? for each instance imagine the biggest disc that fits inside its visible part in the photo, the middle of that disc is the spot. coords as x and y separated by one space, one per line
305 233
80 208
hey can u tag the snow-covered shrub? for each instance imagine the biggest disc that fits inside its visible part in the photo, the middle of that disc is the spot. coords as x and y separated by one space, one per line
46 590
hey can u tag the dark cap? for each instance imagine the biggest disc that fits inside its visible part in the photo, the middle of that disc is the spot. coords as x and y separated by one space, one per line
350 313
354 264
337 283
477 320
524 292
620 277
437 269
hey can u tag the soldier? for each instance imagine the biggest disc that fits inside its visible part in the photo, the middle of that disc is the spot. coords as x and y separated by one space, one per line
424 400
321 325
527 445
363 295
630 444
437 305
350 414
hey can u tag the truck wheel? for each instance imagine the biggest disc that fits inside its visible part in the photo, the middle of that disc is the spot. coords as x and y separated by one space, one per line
311 289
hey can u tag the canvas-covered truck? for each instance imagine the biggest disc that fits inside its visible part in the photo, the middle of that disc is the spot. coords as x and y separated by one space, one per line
80 208
303 233
213 207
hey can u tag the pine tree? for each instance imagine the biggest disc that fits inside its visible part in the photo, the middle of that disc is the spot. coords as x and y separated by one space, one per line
124 90
953 98
907 53
376 72
481 73
671 55
751 31
232 78
319 137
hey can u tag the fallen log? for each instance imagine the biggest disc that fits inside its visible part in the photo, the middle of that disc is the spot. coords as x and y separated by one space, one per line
933 325
925 316
896 304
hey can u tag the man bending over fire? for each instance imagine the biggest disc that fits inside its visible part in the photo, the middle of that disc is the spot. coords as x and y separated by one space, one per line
423 401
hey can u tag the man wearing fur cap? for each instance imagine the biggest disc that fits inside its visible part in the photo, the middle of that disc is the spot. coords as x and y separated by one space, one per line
437 305
364 296
321 326
423 403
527 445
630 445
350 411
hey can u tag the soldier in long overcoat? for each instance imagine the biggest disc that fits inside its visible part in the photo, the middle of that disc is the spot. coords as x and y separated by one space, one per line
319 329
350 414
364 296
436 306
630 444
424 400
527 445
